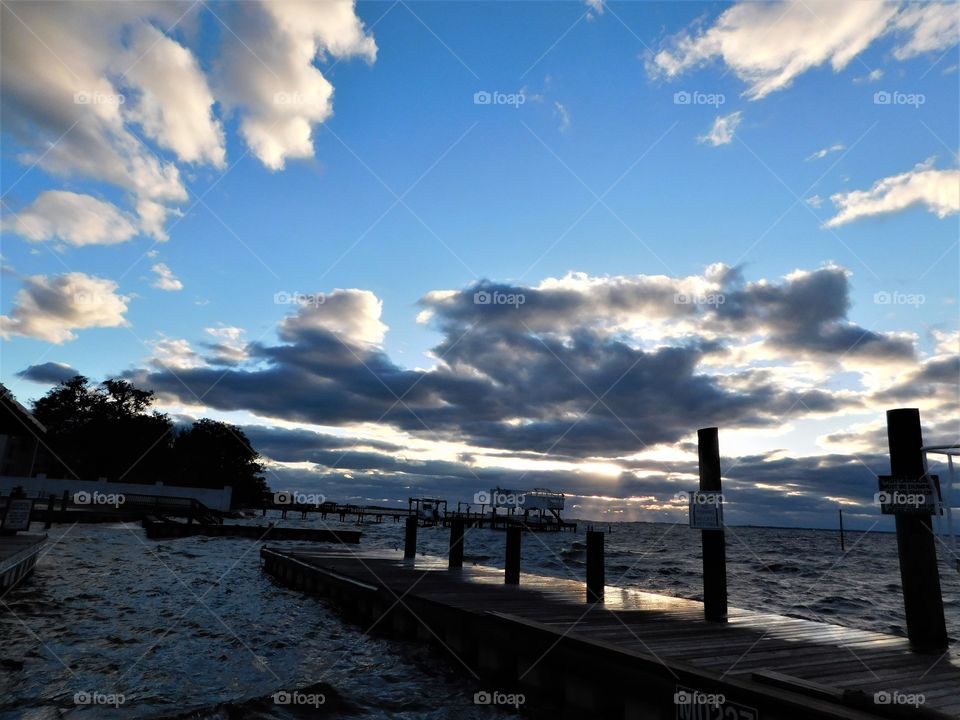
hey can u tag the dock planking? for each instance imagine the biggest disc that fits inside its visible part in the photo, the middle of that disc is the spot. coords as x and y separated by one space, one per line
628 656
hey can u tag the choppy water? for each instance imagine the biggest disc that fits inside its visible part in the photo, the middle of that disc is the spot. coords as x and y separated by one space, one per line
192 628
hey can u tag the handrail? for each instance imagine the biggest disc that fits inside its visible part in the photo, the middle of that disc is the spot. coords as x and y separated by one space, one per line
944 524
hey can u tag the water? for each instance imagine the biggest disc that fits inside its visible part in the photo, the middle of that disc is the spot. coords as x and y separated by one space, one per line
192 628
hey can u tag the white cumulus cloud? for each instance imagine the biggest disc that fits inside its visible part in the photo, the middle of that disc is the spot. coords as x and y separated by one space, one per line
86 86
768 45
72 217
175 106
823 152
723 129
352 315
229 346
267 71
175 353
166 280
929 27
937 190
50 308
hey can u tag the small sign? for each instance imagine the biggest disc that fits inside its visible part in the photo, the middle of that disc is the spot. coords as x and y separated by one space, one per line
18 513
907 495
696 705
706 510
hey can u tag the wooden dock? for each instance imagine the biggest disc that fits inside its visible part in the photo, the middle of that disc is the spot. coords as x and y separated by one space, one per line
162 529
18 556
636 655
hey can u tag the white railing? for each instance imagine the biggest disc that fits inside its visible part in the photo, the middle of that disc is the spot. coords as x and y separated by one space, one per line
42 486
949 497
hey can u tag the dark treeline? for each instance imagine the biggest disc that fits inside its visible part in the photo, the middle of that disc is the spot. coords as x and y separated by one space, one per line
108 430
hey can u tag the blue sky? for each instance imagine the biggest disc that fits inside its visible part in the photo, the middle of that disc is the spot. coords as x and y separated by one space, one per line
405 186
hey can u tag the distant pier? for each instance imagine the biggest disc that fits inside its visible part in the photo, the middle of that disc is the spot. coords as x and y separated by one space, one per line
544 517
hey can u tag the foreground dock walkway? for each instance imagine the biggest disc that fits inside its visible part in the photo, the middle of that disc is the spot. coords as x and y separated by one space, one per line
636 655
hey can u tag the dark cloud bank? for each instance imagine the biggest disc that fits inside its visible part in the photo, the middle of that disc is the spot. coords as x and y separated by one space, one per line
563 375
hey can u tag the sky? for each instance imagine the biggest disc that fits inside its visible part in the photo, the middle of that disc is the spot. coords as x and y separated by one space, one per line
429 248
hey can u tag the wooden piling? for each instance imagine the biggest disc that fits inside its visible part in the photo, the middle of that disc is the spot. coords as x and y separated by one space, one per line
49 521
595 566
714 542
410 538
843 546
919 575
511 575
456 543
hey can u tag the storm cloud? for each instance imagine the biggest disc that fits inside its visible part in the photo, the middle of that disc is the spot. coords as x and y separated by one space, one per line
572 384
558 373
48 373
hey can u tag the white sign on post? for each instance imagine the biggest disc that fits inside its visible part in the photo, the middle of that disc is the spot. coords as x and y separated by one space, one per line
706 511
18 512
908 496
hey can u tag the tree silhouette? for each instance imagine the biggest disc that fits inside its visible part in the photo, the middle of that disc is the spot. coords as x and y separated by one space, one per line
104 431
220 454
108 431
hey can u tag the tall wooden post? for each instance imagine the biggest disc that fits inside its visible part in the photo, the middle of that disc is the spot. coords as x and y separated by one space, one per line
714 542
843 546
49 521
595 569
511 575
456 542
410 538
919 574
